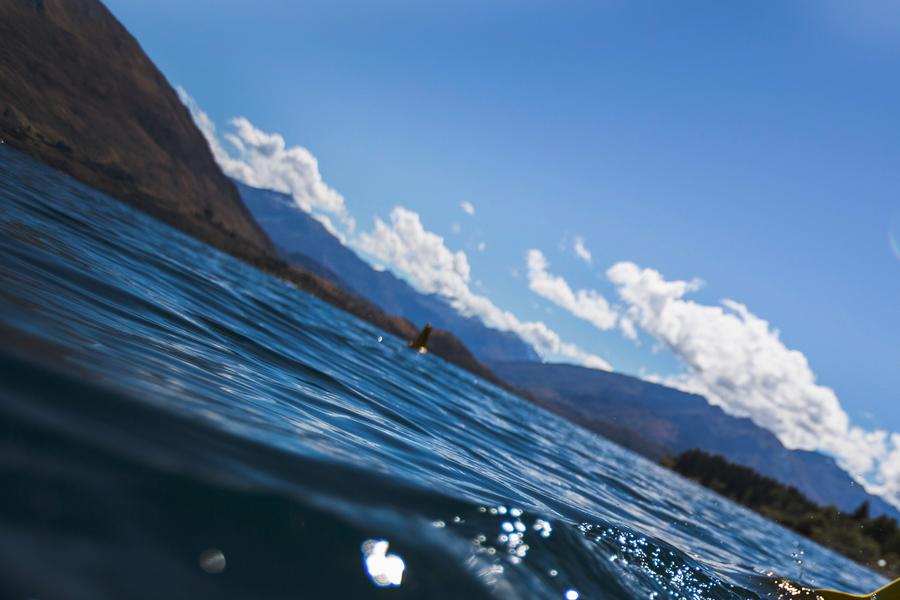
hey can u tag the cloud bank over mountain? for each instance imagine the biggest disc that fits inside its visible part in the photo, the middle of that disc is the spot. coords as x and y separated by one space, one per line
736 360
403 244
264 160
733 357
424 259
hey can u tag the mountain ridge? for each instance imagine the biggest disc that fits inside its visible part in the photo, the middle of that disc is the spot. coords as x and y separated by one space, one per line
672 418
302 238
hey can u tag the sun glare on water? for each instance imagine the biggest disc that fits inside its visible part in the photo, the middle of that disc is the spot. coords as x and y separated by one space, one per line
384 569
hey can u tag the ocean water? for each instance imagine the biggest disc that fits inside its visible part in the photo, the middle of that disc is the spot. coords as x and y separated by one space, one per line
176 424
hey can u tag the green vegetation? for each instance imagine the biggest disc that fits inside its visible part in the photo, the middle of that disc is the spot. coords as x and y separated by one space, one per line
873 542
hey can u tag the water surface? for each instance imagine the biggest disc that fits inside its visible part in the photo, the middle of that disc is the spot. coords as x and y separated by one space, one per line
176 424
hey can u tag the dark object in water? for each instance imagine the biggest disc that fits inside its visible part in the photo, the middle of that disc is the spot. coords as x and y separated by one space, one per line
421 341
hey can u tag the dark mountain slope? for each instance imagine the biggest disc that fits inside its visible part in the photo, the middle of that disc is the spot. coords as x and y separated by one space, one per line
677 421
79 93
302 238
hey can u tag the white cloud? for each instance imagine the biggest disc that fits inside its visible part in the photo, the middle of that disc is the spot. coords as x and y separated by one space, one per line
735 358
467 207
423 258
584 304
628 328
737 361
481 246
581 250
420 255
264 160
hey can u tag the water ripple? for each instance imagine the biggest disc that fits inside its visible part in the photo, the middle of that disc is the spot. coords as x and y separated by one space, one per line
195 407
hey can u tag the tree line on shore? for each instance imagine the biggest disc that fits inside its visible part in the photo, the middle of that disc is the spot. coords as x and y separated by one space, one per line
870 541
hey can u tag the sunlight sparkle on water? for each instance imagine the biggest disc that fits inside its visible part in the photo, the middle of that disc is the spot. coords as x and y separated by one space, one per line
384 569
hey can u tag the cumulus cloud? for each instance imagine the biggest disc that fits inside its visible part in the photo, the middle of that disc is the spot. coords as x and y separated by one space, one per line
264 160
419 254
738 361
735 358
423 258
467 207
581 250
584 304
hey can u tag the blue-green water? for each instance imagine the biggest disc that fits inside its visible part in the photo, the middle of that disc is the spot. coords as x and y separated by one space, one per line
167 411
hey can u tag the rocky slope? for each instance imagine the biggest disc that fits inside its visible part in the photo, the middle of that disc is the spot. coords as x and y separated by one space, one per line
78 93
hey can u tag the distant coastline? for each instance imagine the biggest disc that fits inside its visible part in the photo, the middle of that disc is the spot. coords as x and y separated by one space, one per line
873 542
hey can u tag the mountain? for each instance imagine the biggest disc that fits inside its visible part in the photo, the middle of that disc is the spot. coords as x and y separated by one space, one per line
651 419
305 241
78 93
675 421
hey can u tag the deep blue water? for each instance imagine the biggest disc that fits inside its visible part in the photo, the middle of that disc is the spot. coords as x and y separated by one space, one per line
163 405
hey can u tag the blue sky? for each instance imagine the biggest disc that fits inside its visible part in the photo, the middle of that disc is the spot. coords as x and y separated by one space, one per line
754 146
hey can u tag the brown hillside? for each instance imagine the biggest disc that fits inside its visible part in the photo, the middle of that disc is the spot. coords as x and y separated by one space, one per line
79 93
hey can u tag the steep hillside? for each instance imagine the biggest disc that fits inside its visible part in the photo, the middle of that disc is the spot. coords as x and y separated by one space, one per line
302 238
677 421
79 93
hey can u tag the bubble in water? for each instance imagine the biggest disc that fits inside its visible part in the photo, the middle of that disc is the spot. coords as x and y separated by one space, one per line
571 595
212 561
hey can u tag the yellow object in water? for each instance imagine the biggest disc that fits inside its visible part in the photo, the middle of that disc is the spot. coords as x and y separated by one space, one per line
889 592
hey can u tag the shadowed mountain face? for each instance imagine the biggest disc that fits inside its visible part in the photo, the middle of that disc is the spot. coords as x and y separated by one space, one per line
676 421
307 243
79 93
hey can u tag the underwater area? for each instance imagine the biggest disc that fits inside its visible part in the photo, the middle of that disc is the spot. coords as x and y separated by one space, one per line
178 424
